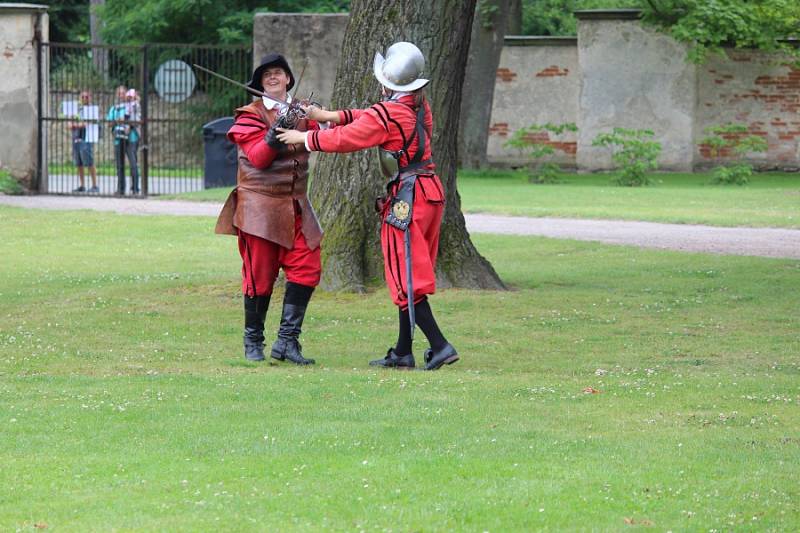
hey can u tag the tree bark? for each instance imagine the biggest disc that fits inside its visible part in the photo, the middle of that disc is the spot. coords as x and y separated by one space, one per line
99 55
514 26
477 94
345 185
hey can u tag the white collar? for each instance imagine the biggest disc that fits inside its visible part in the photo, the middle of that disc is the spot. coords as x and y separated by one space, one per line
271 103
396 95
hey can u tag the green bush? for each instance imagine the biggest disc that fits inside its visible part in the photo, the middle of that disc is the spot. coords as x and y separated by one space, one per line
732 139
634 153
535 139
732 175
9 185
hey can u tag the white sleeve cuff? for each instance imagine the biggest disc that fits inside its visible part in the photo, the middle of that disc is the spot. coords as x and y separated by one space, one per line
305 141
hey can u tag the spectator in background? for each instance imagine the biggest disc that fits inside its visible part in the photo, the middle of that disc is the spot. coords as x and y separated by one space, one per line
126 116
83 143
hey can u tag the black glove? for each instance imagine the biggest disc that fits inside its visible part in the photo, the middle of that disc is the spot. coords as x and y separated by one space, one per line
272 140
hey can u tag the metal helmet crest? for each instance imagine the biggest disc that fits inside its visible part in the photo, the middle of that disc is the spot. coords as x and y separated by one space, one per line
402 67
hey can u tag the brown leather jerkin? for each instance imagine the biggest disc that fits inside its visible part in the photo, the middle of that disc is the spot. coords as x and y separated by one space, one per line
262 203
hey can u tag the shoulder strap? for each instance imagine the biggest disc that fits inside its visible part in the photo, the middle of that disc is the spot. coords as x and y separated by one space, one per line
419 131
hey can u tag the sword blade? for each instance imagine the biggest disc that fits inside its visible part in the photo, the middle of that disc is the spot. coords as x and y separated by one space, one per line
242 85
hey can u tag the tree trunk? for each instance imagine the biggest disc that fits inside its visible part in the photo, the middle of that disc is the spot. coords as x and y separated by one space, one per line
514 26
477 93
99 55
345 185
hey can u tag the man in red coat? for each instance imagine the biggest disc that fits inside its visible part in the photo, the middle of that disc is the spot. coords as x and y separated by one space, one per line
401 126
272 216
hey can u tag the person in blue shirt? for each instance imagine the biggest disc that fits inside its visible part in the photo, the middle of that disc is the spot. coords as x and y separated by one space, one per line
126 116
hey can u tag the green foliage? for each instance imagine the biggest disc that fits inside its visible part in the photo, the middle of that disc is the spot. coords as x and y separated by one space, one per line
732 174
196 21
9 185
732 139
69 21
556 17
535 140
75 72
633 152
710 25
486 10
706 25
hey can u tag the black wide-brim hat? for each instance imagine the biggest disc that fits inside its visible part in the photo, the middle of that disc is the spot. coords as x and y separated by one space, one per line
270 60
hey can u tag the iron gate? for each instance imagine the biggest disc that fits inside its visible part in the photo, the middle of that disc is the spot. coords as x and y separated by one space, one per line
82 120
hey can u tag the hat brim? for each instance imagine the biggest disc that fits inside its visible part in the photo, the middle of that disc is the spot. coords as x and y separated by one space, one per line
377 69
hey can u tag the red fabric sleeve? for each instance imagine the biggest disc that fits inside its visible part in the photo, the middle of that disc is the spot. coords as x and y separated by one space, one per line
248 132
346 116
368 130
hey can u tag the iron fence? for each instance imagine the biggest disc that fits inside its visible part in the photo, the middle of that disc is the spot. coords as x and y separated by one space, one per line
152 139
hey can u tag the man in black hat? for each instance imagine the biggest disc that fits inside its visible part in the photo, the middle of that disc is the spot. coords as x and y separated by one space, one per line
270 212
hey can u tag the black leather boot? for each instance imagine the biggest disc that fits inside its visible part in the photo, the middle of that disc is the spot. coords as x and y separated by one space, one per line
287 347
255 311
392 360
446 355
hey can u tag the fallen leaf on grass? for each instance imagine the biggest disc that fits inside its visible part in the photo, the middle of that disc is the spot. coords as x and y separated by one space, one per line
40 525
632 522
591 390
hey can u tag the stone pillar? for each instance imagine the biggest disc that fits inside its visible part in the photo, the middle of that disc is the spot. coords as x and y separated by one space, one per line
633 77
315 38
22 26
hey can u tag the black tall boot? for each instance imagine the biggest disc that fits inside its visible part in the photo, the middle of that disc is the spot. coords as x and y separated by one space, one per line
287 346
255 311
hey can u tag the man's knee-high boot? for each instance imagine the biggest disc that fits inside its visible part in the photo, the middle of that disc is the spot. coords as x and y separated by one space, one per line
255 311
287 346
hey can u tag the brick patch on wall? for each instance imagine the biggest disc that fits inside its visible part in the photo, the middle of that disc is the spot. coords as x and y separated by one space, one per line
499 128
552 71
505 74
570 148
754 128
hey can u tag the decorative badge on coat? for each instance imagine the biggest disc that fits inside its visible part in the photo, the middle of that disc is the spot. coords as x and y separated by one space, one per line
400 210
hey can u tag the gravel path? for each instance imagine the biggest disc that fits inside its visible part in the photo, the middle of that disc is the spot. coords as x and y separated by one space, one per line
764 242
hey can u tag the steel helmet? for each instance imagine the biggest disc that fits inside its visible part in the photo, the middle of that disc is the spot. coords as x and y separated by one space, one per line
401 69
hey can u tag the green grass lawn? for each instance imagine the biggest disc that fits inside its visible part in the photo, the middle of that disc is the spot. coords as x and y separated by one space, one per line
125 402
109 169
771 199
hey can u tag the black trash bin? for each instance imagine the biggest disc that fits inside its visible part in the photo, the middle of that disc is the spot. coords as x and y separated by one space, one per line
220 154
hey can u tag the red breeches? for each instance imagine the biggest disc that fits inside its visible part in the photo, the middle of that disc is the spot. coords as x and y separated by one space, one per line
424 232
261 260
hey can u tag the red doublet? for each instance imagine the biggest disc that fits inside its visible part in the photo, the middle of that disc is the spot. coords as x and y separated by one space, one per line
389 125
262 258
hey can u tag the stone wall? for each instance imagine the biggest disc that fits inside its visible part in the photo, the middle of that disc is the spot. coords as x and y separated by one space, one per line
312 38
538 81
755 89
615 73
633 77
20 26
